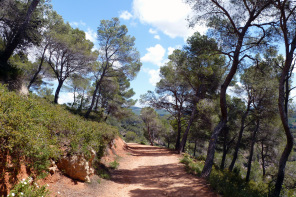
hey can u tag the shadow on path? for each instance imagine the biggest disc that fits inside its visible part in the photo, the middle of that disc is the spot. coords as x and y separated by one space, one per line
160 180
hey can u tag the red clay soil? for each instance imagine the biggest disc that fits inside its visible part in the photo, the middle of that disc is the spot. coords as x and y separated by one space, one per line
143 171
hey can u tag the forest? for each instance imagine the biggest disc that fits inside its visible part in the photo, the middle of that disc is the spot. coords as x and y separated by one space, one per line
224 99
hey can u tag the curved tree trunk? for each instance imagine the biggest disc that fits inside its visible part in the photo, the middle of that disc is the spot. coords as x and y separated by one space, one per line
252 150
240 136
57 92
223 106
184 139
284 118
150 136
12 44
39 68
225 148
179 133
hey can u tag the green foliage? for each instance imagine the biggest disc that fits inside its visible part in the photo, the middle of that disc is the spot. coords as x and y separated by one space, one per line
192 166
226 182
130 136
232 184
102 170
34 129
114 165
27 188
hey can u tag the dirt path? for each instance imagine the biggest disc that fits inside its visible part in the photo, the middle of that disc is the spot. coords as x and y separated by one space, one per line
152 171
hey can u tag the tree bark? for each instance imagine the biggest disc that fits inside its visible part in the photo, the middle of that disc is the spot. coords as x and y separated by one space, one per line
211 149
240 33
240 136
12 44
39 68
225 149
223 106
284 118
97 90
252 150
194 151
263 158
179 133
182 145
150 137
56 96
290 48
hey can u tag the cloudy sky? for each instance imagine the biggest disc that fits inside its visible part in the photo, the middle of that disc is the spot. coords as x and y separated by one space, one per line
159 26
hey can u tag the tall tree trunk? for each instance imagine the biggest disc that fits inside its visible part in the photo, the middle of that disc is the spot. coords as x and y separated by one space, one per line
195 144
240 136
182 145
74 96
97 89
12 44
39 68
223 106
284 118
211 149
179 133
252 150
150 137
97 103
81 102
57 92
225 149
263 158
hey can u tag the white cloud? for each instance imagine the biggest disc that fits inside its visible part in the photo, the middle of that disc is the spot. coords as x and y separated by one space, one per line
154 55
91 35
77 24
152 31
170 50
154 75
66 97
168 16
125 15
157 37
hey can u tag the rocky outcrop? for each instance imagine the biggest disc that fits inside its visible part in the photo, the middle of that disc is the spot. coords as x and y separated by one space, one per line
77 166
115 148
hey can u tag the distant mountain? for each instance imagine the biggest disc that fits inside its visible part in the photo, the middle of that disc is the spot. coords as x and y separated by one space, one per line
137 110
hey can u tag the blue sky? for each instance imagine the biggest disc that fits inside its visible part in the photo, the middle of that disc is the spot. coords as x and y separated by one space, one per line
159 27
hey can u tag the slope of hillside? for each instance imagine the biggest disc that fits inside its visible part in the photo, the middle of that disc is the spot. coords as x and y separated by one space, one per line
35 132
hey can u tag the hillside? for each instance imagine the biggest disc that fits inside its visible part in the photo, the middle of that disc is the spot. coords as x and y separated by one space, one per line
160 112
36 133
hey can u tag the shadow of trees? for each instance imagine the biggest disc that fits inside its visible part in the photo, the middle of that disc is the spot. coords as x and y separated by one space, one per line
160 180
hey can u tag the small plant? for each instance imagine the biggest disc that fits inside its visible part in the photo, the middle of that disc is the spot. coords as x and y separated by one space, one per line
226 182
113 165
27 188
192 166
103 174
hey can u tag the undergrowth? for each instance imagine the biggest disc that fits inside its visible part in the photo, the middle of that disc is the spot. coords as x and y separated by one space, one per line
227 183
113 165
27 188
34 130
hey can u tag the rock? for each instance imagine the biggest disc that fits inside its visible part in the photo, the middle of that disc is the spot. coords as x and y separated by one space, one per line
77 166
52 170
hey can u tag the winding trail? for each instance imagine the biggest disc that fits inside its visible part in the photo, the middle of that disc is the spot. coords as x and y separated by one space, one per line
148 171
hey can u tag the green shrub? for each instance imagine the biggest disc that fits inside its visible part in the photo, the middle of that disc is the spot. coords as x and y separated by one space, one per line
131 136
192 166
27 188
114 165
225 182
232 184
34 130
